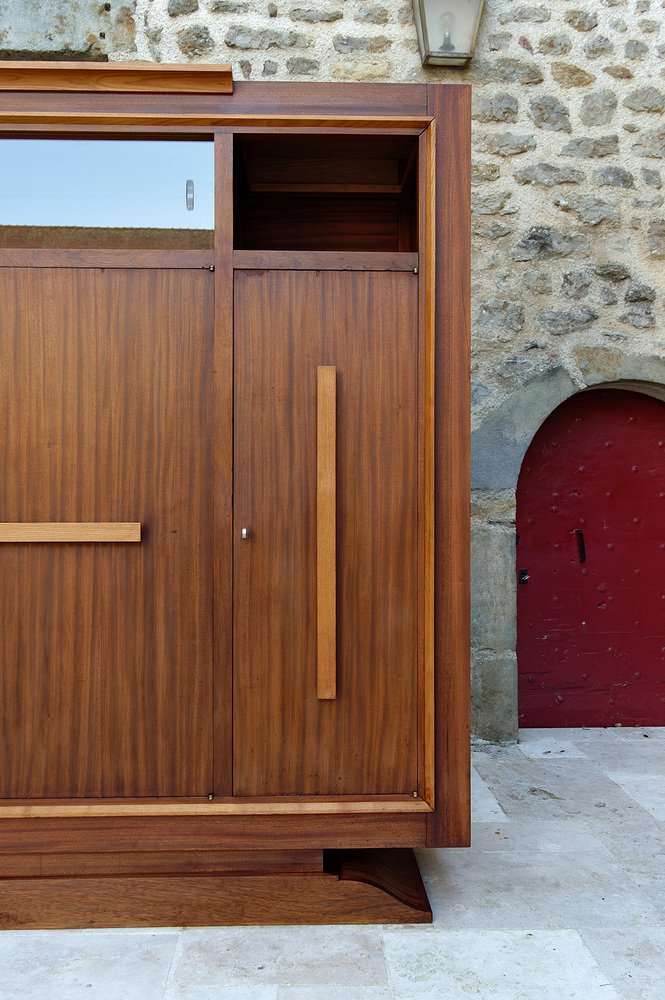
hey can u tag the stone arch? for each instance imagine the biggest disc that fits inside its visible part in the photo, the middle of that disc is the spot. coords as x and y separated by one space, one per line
499 444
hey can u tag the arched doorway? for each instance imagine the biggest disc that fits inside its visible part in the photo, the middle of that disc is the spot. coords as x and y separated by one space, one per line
591 564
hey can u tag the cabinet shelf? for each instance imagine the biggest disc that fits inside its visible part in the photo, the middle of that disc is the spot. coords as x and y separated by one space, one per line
341 193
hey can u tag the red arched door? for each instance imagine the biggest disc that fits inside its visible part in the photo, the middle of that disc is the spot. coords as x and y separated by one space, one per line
591 564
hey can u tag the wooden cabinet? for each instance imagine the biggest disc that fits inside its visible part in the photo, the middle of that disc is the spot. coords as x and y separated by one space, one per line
234 505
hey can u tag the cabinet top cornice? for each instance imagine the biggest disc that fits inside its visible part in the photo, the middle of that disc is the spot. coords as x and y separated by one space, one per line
120 77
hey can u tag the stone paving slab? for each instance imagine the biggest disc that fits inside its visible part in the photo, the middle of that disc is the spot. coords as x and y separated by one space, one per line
561 897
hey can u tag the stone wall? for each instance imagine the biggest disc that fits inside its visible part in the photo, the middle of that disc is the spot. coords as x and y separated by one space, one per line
568 195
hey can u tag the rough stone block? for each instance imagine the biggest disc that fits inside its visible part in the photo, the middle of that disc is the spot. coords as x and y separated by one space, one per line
504 143
492 573
555 45
177 7
544 242
498 108
195 41
482 171
313 15
598 108
637 291
240 37
612 272
562 321
582 20
374 14
576 284
656 238
496 316
618 72
652 178
228 7
537 282
491 202
567 75
300 66
651 144
549 113
597 46
614 177
501 439
587 148
588 208
526 13
649 99
363 71
499 41
634 49
347 44
639 316
513 71
60 29
494 694
547 175
491 230
598 363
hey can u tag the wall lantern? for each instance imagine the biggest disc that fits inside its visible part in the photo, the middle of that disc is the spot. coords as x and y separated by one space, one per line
447 30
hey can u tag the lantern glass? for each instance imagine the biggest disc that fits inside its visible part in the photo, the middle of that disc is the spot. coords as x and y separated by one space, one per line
447 30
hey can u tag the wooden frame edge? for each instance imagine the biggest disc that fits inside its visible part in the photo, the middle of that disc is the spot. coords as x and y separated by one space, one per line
212 120
429 405
450 824
132 810
116 77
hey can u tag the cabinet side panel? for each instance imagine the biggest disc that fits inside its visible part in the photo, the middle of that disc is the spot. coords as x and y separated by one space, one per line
450 825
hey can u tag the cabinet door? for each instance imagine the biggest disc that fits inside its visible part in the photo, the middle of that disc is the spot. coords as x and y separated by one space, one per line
105 648
366 740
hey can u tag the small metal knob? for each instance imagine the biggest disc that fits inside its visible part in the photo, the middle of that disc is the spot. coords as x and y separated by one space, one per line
244 532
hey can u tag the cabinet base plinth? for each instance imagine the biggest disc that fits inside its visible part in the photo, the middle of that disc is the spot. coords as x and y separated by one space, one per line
355 886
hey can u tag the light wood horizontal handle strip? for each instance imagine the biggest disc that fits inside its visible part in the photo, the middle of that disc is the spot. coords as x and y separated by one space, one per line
326 530
69 531
214 809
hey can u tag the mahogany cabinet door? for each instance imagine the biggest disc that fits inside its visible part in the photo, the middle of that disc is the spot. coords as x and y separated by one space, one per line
105 648
287 740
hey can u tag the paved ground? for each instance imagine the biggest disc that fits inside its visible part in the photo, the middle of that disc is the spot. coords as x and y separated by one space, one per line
562 897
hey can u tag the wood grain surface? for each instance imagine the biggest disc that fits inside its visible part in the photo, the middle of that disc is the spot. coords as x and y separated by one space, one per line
62 531
450 825
285 740
53 834
398 106
127 77
320 260
368 887
326 532
106 649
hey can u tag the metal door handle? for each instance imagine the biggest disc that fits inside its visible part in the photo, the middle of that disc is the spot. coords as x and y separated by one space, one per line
244 532
580 544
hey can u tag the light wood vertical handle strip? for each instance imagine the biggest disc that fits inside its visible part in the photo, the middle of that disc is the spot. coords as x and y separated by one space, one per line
68 531
326 529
